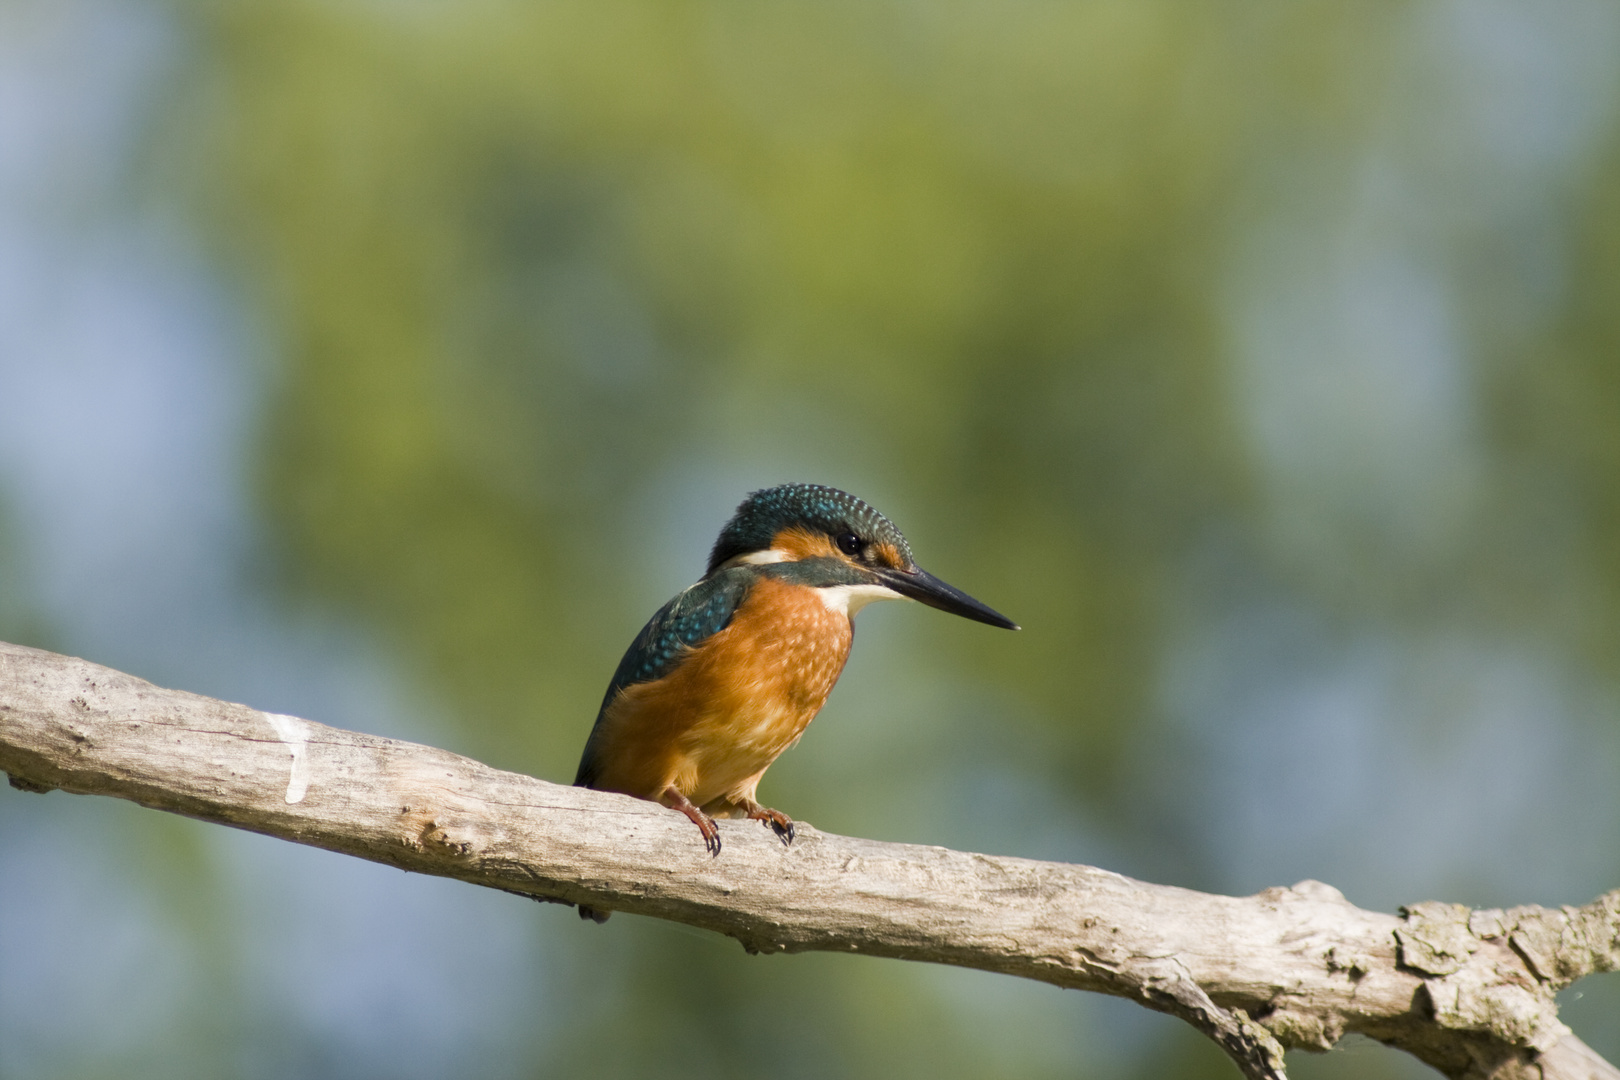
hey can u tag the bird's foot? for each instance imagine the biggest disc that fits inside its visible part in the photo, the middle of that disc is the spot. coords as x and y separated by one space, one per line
711 832
779 822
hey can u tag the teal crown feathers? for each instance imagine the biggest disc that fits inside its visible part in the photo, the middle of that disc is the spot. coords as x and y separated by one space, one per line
764 514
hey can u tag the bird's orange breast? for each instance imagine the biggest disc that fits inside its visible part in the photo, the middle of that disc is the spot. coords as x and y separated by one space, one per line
715 723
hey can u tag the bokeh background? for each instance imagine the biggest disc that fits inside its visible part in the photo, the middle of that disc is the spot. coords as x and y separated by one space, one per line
387 363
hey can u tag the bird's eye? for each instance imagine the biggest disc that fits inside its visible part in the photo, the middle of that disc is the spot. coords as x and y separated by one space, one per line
850 544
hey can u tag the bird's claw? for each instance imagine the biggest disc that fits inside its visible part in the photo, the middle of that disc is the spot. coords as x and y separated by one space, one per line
673 799
777 821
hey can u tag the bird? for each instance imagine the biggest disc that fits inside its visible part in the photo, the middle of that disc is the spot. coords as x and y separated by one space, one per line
727 675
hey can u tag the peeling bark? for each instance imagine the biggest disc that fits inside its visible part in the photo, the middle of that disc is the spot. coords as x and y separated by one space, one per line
1468 992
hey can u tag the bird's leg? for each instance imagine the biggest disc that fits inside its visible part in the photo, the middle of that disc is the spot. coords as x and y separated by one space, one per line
740 800
778 821
711 832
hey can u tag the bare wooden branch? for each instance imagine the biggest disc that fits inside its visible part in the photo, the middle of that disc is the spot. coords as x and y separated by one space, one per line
1469 992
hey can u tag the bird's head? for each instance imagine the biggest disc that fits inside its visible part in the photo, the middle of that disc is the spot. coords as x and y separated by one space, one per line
841 543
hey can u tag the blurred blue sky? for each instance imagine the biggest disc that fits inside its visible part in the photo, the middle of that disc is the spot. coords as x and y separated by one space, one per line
130 382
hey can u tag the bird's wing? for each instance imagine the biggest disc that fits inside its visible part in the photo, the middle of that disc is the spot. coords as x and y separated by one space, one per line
682 624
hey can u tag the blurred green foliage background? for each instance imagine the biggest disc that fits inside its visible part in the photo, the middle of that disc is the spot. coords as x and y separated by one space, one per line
1260 359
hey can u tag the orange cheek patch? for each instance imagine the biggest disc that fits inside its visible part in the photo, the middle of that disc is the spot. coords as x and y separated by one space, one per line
802 543
888 555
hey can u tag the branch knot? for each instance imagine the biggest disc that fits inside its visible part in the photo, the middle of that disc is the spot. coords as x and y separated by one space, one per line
1473 980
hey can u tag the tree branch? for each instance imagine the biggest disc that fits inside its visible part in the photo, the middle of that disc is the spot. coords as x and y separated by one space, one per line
1469 992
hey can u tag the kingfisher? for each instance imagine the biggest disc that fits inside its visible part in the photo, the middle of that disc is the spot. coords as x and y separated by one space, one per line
727 675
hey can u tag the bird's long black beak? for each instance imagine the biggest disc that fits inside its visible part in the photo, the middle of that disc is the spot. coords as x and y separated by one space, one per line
920 585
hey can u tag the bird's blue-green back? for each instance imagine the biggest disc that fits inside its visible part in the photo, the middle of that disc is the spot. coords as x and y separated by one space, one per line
684 623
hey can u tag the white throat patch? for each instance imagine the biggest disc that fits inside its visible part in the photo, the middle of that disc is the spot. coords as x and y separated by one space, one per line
848 599
844 599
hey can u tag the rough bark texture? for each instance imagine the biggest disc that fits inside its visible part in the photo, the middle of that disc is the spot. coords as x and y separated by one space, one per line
1469 992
